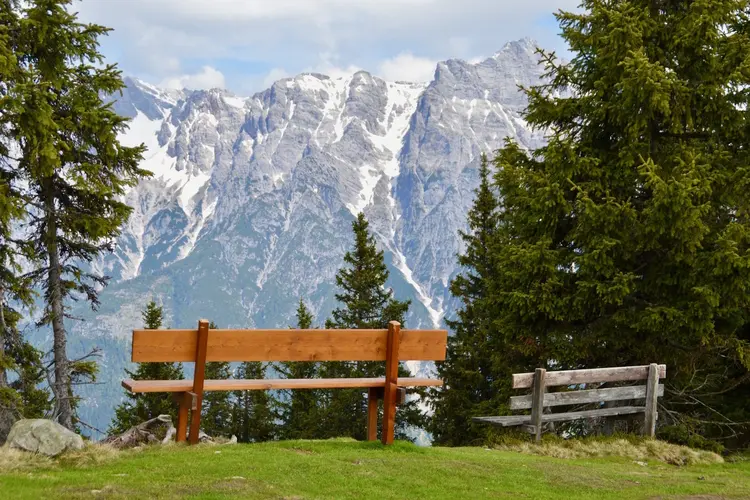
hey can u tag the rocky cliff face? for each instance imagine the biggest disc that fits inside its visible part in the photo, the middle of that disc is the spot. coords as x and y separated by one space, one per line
252 198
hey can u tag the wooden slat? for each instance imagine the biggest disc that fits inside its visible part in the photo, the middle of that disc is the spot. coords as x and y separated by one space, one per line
514 420
571 377
387 435
286 345
584 396
505 421
138 386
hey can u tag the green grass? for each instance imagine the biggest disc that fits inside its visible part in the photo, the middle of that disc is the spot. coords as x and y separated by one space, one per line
348 469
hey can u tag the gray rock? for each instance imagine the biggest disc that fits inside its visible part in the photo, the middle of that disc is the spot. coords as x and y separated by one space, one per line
43 436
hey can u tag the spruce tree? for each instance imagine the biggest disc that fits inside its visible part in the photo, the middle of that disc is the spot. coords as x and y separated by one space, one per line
626 239
471 367
19 361
253 412
216 419
299 412
366 303
73 167
140 407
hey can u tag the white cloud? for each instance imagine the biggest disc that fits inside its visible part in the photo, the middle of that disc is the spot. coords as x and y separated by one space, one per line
329 64
245 39
206 78
407 67
274 75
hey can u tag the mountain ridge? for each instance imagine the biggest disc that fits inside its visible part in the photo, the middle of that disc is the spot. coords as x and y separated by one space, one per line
252 198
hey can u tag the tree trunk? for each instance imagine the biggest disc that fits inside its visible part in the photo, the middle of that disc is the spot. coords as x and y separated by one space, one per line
3 372
61 388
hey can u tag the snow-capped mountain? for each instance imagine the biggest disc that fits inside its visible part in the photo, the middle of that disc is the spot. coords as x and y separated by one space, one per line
251 201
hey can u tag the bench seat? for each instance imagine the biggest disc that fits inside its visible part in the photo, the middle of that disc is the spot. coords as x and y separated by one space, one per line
515 420
137 386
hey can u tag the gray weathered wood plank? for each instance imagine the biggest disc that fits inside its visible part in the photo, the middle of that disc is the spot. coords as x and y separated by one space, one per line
570 377
652 392
537 404
506 421
584 396
515 420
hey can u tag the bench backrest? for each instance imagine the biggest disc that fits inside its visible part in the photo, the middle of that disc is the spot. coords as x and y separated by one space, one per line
574 377
540 380
286 345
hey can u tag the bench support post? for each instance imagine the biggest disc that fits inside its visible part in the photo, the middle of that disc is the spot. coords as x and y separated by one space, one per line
372 413
198 378
652 393
186 402
391 382
537 402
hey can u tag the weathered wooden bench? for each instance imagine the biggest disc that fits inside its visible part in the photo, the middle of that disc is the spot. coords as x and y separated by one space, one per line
199 346
540 398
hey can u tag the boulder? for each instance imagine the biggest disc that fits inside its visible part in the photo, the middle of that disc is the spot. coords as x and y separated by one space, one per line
43 436
154 431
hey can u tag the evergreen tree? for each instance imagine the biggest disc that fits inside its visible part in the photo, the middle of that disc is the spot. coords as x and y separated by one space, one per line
471 367
253 413
626 239
73 167
140 407
366 303
21 398
216 419
299 413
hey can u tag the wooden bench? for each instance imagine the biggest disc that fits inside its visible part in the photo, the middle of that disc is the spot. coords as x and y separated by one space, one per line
540 398
199 346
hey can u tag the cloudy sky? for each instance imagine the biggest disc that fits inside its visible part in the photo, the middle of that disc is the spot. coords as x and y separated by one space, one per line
244 45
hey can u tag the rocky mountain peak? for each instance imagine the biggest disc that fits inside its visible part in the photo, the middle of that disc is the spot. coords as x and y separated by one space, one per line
252 198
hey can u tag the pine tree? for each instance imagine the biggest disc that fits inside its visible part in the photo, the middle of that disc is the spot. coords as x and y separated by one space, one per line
366 303
299 413
471 367
253 414
22 397
73 166
626 239
216 419
140 407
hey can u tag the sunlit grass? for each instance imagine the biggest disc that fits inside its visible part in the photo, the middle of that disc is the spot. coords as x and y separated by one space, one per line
350 469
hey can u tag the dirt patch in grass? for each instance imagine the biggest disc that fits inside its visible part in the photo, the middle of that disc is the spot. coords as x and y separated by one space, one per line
302 451
690 497
107 491
636 450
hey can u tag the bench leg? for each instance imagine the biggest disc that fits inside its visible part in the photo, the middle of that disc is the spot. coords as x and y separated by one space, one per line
537 402
390 391
182 416
195 421
389 415
652 394
372 414
198 380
